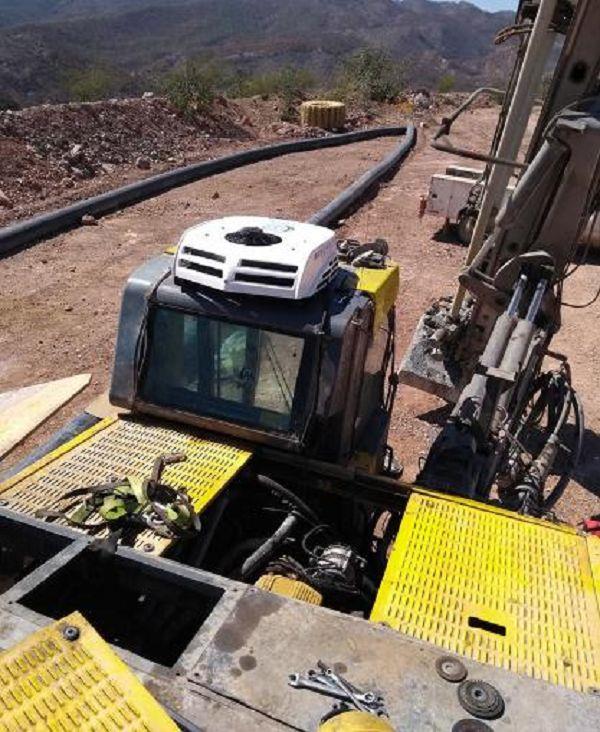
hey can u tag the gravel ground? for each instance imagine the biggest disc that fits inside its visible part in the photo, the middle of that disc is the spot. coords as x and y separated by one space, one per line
59 300
52 155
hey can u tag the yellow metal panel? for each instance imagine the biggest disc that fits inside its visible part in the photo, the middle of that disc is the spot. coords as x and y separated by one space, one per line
516 593
593 545
382 285
55 454
50 683
280 585
127 447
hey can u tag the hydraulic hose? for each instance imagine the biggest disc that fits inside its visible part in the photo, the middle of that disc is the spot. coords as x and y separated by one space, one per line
266 550
54 222
559 488
290 497
557 397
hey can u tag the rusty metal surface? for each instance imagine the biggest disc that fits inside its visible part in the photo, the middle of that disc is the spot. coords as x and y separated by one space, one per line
233 673
267 637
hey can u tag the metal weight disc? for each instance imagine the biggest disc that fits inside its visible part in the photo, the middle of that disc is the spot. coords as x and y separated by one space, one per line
471 725
481 699
451 669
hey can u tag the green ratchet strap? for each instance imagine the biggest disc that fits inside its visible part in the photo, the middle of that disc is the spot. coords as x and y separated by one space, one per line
132 501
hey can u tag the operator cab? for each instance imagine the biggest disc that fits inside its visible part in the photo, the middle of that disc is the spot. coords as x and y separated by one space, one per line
255 329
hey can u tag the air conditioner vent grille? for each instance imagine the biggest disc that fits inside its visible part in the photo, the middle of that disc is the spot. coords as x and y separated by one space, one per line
203 254
210 271
273 266
271 280
256 255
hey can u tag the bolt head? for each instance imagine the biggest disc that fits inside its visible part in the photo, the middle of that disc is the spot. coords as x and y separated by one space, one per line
71 633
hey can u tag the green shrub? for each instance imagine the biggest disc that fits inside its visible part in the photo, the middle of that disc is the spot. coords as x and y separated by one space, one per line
299 81
92 84
446 83
292 85
289 84
7 102
371 74
191 87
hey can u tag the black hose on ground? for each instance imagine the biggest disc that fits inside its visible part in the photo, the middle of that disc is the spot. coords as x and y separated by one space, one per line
343 203
54 222
25 232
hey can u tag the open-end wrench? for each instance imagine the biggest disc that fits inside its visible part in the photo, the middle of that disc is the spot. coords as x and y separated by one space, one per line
323 685
356 698
368 697
311 684
360 705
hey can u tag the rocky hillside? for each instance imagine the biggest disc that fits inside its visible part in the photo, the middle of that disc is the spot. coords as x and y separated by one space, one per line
45 41
51 155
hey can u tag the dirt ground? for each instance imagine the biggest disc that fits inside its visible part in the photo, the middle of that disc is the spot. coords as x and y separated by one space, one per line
59 300
53 155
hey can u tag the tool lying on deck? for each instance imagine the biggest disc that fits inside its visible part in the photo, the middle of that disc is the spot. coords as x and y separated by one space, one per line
132 500
327 682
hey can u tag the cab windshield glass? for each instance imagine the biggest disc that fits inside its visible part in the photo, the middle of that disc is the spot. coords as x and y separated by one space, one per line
225 370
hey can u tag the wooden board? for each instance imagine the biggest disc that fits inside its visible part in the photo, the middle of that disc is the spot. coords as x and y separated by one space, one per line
101 407
22 410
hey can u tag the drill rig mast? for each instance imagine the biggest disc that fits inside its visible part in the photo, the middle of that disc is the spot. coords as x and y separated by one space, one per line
492 346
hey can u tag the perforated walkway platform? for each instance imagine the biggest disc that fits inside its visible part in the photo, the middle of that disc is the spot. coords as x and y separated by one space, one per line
507 590
121 447
51 683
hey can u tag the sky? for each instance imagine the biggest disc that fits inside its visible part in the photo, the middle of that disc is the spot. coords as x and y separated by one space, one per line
493 5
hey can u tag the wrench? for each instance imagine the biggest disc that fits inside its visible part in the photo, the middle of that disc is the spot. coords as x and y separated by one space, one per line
361 706
368 697
322 685
356 699
301 682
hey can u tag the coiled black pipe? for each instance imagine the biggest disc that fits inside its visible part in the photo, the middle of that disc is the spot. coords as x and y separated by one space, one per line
348 198
54 222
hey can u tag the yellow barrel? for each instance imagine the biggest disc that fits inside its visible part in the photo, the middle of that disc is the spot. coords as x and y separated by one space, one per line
324 114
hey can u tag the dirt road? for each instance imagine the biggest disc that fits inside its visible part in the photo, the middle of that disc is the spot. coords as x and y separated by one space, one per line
59 300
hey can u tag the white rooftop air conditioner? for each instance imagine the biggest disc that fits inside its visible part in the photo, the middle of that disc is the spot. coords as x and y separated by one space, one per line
255 255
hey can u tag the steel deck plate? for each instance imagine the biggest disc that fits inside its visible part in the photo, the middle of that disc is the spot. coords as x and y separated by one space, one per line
50 683
502 589
121 447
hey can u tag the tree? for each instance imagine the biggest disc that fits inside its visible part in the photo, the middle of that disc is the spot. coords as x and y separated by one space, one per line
191 87
290 86
288 83
92 84
371 74
446 83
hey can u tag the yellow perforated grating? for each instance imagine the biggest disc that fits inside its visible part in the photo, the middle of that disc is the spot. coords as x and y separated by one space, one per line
125 447
50 683
505 590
